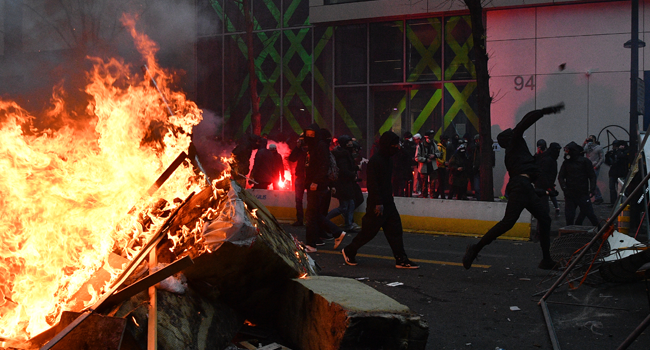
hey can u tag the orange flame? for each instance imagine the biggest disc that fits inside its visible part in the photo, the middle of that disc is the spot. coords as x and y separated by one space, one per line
64 192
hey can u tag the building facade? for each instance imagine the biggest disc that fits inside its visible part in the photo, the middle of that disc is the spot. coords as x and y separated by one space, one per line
363 67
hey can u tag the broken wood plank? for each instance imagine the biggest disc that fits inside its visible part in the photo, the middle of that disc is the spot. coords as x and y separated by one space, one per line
152 324
145 283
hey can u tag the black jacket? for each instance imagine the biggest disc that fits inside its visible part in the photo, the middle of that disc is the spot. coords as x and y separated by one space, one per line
621 165
299 156
347 173
577 175
318 160
380 168
518 159
268 166
547 163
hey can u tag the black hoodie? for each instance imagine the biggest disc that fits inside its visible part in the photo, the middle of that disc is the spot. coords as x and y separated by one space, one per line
547 163
318 159
577 176
380 168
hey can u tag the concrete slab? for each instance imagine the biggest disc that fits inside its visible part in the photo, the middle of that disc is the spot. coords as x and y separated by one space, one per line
324 312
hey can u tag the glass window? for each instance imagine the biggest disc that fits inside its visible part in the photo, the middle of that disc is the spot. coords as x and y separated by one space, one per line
351 115
296 13
209 76
388 110
425 109
460 109
351 49
459 49
323 72
266 14
424 50
209 18
297 78
387 52
234 20
267 67
237 95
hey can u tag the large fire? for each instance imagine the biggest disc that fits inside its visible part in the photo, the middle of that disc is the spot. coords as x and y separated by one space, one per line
65 193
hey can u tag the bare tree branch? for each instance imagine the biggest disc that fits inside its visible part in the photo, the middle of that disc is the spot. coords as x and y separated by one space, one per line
50 23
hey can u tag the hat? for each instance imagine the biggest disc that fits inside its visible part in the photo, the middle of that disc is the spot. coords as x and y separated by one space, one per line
417 136
273 146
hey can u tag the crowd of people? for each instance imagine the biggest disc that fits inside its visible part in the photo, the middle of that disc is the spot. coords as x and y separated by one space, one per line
417 165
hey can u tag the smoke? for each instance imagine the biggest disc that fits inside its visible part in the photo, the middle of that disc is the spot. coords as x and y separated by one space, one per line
209 146
58 37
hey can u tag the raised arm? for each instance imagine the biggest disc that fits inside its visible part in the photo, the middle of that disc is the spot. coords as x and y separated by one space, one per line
531 117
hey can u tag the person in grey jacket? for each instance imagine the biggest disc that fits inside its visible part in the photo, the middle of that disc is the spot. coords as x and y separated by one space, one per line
425 155
595 153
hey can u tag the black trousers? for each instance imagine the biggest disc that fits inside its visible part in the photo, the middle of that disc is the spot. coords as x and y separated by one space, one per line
316 220
442 182
522 196
371 223
299 189
573 201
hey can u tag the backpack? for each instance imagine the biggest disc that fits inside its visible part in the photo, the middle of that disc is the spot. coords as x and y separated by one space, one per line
333 169
610 157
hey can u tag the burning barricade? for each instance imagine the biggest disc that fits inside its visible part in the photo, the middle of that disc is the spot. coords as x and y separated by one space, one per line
93 255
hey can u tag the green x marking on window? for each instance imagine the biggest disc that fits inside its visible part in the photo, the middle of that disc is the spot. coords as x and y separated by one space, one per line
460 104
427 53
428 109
462 52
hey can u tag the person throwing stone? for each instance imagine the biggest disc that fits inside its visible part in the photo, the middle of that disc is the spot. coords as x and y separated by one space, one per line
523 172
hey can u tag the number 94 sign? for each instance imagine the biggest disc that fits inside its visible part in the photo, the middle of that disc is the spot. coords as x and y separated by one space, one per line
521 82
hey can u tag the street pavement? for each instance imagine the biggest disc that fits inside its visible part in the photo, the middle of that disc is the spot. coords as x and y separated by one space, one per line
494 305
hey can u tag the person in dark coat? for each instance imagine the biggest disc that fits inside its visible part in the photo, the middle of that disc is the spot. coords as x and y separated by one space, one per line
241 156
426 155
460 166
441 172
267 168
381 212
546 160
523 173
577 180
402 171
317 181
619 168
344 185
299 155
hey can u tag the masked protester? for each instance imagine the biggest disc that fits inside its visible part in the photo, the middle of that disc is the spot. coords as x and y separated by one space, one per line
317 182
620 165
381 212
460 166
522 195
577 180
344 185
268 168
299 155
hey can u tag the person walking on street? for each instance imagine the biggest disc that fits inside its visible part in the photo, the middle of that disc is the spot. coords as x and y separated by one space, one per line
381 212
595 153
317 181
523 172
344 185
577 180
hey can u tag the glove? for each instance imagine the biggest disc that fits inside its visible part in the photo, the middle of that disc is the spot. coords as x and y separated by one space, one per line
553 109
553 192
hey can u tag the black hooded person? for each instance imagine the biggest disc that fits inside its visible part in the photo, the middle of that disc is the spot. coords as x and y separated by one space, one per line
522 195
577 179
317 183
381 212
546 160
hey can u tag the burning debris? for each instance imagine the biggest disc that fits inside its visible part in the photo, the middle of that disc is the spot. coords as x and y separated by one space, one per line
85 235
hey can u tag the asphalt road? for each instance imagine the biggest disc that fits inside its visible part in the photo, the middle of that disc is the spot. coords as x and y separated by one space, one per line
493 305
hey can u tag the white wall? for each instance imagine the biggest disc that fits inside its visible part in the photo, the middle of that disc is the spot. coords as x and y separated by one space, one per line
533 42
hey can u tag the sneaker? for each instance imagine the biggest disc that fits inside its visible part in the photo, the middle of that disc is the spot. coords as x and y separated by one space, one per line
327 237
547 264
470 254
339 239
354 226
319 242
309 249
350 260
406 264
297 223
